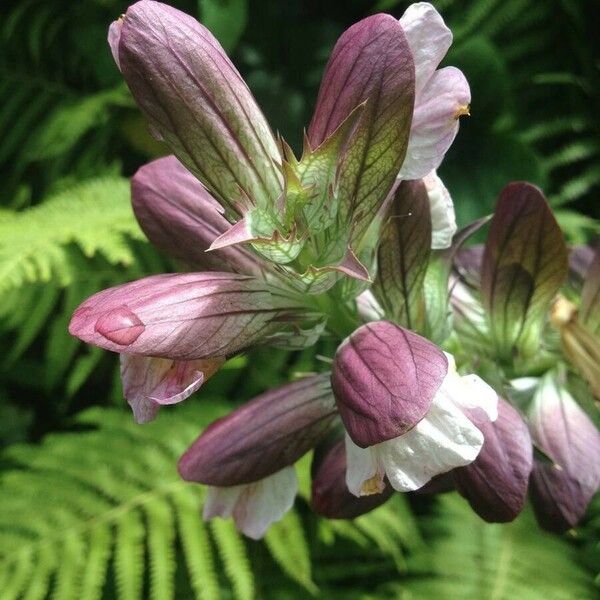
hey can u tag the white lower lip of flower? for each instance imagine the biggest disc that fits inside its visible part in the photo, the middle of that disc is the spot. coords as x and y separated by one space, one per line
443 440
443 218
469 391
254 506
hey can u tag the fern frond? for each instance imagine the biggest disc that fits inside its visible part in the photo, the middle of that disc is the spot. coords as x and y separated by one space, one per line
94 571
468 558
94 215
287 544
161 537
196 545
235 559
129 554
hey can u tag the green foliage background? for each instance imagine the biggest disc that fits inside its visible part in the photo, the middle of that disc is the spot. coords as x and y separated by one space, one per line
90 504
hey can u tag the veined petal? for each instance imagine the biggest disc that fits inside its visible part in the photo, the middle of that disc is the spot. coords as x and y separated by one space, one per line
364 469
524 264
264 435
403 256
184 316
150 382
429 40
372 64
384 379
445 97
443 440
330 495
195 99
441 208
182 219
495 483
255 506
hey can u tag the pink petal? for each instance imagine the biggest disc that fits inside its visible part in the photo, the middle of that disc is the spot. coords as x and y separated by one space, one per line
197 102
384 379
114 36
181 218
184 316
495 483
263 436
371 64
150 382
443 100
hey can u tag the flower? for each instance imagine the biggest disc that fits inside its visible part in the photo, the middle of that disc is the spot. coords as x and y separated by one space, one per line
253 506
403 406
247 457
564 481
441 96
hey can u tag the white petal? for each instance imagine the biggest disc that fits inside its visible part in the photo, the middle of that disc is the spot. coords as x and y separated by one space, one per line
525 384
221 501
254 506
441 208
478 394
443 440
364 471
467 309
368 307
469 391
435 122
428 38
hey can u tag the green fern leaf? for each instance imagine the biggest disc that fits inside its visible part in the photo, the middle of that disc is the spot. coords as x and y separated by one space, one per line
161 536
288 546
196 545
94 215
235 559
470 559
94 571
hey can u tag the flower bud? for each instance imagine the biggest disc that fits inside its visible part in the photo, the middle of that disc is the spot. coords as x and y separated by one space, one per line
184 316
562 486
181 218
263 436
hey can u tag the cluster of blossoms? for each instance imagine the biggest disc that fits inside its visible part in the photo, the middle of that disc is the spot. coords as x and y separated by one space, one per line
356 237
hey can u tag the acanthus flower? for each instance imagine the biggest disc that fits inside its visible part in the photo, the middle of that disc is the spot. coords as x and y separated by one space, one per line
567 476
403 405
270 236
247 457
